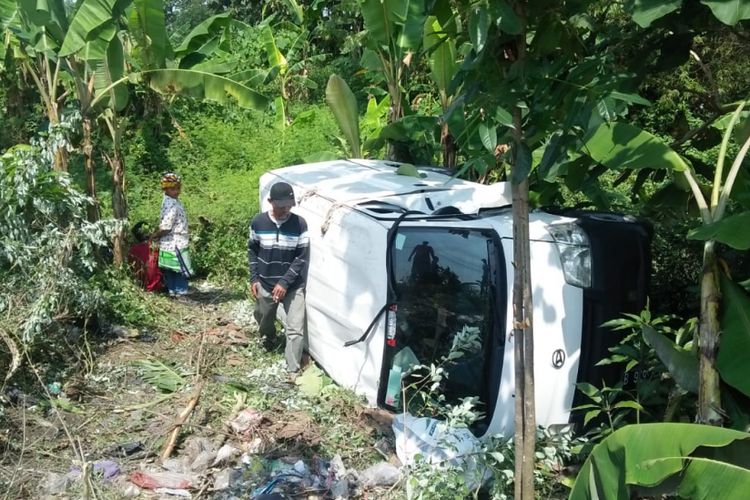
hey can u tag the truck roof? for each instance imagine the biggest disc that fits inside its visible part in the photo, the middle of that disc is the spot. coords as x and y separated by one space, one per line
357 182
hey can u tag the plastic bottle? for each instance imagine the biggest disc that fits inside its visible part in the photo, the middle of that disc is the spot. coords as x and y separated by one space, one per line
393 392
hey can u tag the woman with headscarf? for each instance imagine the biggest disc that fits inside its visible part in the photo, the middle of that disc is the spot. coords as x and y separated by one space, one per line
173 236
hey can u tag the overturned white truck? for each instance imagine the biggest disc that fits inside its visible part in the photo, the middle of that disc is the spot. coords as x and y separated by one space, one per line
401 265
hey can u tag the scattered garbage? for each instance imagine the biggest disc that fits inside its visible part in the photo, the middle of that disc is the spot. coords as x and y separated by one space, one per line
175 492
243 314
380 474
152 480
55 483
125 488
125 449
106 469
225 478
246 421
225 454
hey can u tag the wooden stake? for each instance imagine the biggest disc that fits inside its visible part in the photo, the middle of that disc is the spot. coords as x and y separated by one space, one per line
181 418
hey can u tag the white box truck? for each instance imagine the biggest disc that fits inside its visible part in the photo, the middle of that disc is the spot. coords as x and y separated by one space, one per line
400 265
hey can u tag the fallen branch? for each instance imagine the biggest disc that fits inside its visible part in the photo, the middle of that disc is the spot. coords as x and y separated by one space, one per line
181 418
15 354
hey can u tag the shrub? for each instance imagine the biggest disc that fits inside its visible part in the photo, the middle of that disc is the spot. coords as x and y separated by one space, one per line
48 250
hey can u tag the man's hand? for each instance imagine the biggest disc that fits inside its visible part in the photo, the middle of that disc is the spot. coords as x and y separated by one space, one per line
278 293
254 289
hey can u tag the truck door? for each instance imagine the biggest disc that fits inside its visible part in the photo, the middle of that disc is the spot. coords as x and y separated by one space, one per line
448 310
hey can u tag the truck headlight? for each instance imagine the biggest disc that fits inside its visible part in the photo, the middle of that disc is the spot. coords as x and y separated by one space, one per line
575 253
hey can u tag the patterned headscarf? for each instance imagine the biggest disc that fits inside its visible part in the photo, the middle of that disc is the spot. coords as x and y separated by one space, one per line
170 180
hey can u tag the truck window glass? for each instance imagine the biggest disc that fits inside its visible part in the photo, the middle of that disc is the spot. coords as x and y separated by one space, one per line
444 283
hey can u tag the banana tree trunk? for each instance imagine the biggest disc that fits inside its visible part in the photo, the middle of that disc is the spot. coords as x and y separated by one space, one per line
709 392
449 147
395 113
119 206
89 168
61 154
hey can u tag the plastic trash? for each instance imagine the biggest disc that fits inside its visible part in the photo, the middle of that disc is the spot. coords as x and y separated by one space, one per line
438 444
393 391
55 483
175 492
246 421
106 469
154 480
403 361
225 478
202 461
225 454
380 474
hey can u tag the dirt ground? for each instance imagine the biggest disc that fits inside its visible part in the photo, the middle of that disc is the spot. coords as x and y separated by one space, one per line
194 406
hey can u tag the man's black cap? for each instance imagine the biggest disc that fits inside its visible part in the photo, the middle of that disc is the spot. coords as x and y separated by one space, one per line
282 194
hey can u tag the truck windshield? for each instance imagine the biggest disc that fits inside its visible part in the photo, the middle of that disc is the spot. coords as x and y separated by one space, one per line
446 281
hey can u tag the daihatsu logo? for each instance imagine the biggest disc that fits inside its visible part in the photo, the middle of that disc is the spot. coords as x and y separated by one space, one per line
558 358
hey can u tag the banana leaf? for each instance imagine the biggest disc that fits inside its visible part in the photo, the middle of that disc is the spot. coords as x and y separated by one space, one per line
442 53
196 84
147 23
681 363
620 145
343 104
109 70
700 461
733 360
90 18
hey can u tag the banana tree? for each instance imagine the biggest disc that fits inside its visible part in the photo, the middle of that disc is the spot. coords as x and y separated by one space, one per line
32 34
440 47
715 226
622 146
393 36
133 32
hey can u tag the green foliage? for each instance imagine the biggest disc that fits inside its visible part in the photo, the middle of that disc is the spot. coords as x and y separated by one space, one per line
622 146
221 153
733 361
48 250
555 451
614 403
681 363
645 371
731 231
165 377
667 458
124 301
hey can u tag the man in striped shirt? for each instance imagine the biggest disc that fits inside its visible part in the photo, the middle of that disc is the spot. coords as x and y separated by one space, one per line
278 251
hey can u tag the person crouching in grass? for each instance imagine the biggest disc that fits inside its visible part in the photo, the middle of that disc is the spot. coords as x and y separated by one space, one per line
173 237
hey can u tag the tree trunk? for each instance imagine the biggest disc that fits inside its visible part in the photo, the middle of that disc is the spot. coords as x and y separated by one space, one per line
119 202
119 206
449 147
523 337
395 112
89 168
61 154
709 392
523 326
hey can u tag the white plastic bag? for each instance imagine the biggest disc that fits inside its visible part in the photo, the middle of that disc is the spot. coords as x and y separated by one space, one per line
438 444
